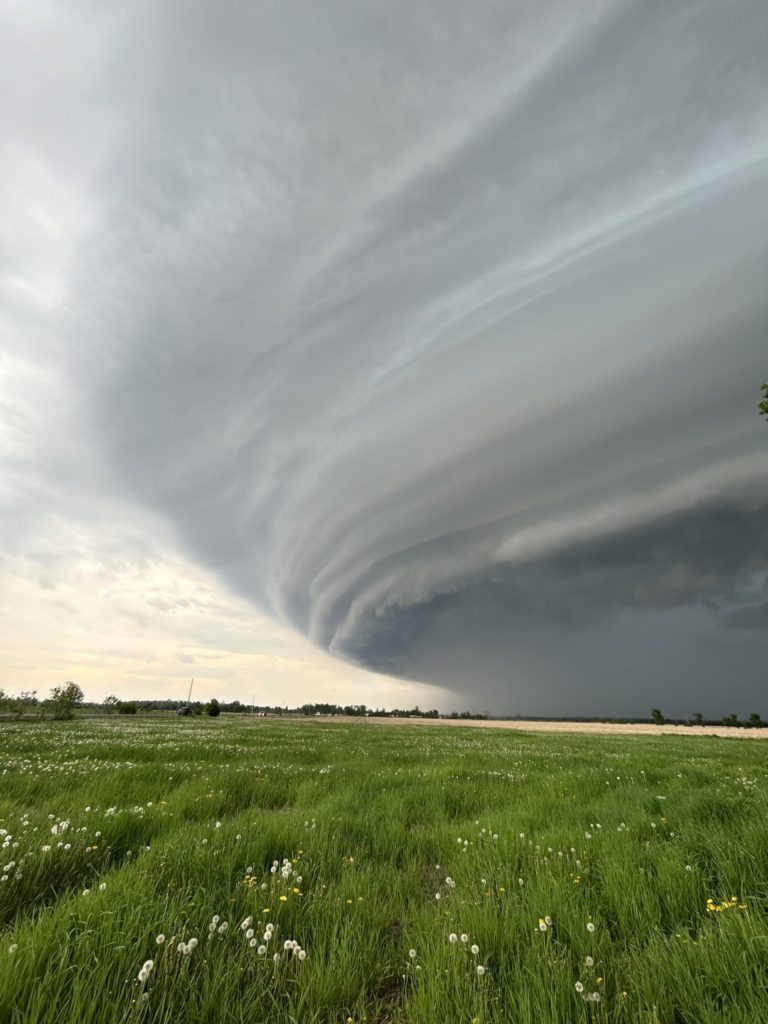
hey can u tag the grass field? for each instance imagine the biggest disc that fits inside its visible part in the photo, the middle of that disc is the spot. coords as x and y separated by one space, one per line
427 874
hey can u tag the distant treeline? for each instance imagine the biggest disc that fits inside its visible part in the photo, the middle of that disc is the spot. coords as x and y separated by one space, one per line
67 699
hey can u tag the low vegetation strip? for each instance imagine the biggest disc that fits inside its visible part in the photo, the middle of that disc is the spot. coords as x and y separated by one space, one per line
290 872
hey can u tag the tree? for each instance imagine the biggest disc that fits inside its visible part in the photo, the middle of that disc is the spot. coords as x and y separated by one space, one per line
658 718
64 699
732 720
755 721
7 702
697 718
213 709
111 703
126 708
763 405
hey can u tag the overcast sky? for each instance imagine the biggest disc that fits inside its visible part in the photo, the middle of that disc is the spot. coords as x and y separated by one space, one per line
387 351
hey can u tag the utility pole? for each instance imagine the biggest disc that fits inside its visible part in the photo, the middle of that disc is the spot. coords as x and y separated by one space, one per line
189 695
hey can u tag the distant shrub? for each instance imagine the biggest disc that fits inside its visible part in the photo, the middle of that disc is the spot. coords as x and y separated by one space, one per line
64 699
213 710
127 708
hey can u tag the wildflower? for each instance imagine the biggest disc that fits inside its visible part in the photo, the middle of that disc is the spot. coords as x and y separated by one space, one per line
475 948
579 987
464 937
302 954
590 927
160 939
589 962
102 886
548 921
261 950
249 933
453 937
480 970
412 954
13 947
542 925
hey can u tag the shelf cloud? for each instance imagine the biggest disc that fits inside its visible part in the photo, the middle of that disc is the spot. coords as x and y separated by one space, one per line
436 329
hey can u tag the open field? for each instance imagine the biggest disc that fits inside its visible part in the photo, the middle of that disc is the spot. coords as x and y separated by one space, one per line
577 868
589 728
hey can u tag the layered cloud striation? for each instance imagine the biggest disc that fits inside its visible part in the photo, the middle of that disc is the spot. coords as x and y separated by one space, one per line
437 330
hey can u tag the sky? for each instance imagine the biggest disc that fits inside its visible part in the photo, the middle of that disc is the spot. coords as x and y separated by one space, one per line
388 353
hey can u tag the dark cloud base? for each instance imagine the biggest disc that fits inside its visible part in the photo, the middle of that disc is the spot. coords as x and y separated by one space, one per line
655 615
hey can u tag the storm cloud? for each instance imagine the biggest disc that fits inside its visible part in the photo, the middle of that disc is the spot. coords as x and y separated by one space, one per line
435 329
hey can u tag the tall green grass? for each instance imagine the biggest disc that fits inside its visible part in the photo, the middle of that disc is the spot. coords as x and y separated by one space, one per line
397 839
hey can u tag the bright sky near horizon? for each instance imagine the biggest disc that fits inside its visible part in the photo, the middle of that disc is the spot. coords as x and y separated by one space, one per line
396 353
